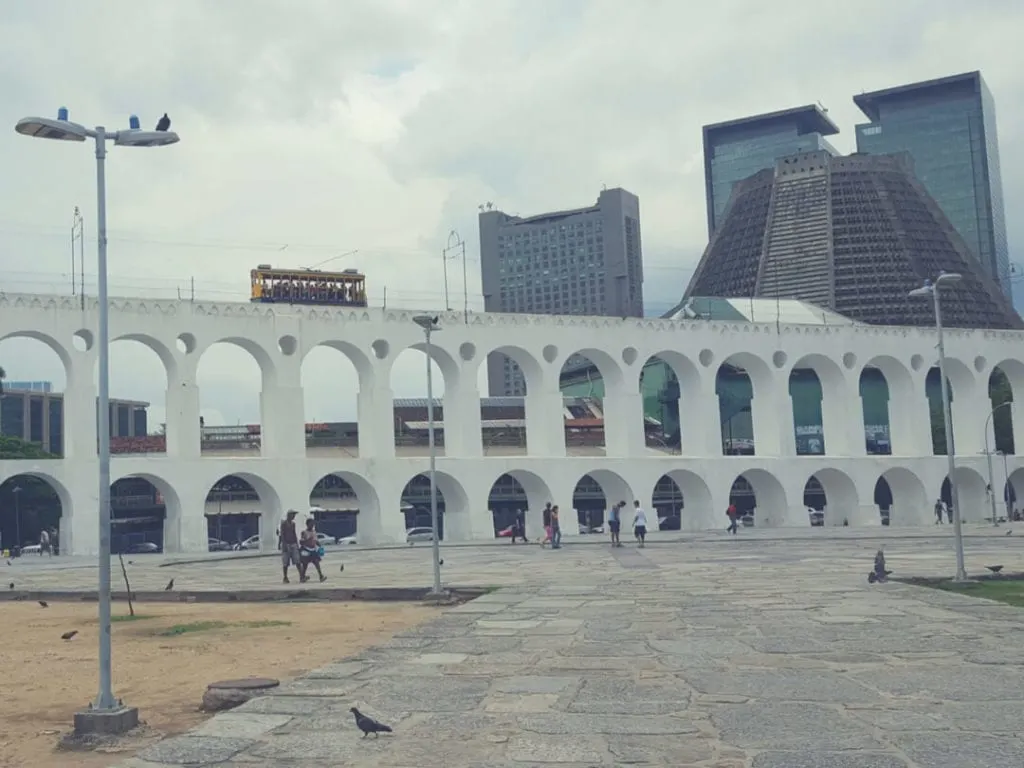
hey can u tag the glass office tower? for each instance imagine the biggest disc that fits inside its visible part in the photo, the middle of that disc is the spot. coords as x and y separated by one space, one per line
948 126
737 149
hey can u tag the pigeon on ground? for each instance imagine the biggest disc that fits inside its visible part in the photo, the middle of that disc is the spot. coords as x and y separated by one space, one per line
11 585
368 724
1007 533
994 568
342 568
43 604
164 124
170 586
69 635
8 562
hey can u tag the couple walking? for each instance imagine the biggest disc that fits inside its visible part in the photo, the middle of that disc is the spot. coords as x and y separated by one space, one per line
552 527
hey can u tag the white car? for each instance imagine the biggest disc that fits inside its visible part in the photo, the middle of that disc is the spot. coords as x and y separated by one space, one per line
31 549
414 535
253 542
347 540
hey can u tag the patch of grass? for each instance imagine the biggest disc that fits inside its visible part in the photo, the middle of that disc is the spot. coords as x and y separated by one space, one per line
207 626
194 626
128 617
1010 592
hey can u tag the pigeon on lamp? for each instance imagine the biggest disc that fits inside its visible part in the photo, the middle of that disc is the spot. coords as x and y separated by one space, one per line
994 568
164 124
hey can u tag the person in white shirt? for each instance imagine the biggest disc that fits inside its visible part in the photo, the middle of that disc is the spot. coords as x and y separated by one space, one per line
639 523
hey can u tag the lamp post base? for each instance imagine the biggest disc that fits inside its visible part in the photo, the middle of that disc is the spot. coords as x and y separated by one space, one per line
106 722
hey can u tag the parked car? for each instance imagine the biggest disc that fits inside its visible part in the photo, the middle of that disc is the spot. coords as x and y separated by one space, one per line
504 533
142 548
31 549
216 545
591 529
347 540
324 539
816 515
747 520
417 535
253 542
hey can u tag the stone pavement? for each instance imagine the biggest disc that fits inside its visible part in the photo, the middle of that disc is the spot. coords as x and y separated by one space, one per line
760 652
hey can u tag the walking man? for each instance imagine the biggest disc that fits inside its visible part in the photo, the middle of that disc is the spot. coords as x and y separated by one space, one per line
615 522
556 530
938 511
289 541
639 523
734 516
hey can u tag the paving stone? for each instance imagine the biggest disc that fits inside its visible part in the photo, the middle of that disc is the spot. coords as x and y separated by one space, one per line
900 719
475 644
780 684
588 748
290 705
508 624
337 671
959 750
441 694
521 703
241 725
558 723
195 750
657 750
439 658
788 726
950 682
535 684
318 686
324 747
628 696
816 759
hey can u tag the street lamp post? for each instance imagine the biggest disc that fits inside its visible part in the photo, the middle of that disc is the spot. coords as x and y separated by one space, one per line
1006 488
988 458
933 290
429 325
111 711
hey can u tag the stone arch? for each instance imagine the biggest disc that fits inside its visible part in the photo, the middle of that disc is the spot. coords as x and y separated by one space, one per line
180 534
610 371
270 512
1005 421
538 493
457 517
698 505
527 363
842 501
683 429
450 368
972 494
1016 485
901 402
63 352
747 416
369 525
960 376
268 369
85 544
910 503
771 509
614 487
359 359
830 413
162 351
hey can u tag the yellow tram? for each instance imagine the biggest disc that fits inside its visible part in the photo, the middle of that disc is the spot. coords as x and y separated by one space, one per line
308 286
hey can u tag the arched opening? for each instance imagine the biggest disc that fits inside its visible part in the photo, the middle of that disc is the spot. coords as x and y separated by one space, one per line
409 385
972 495
960 381
883 500
138 395
30 504
760 499
739 380
32 403
138 515
231 384
585 379
682 501
831 499
1014 495
244 511
874 397
518 494
805 394
593 495
339 502
513 376
669 386
908 501
1005 378
454 521
331 390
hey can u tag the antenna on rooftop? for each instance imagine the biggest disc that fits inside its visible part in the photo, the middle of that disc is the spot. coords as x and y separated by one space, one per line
823 107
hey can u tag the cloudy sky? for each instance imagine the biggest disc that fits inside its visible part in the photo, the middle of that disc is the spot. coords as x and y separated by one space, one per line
378 126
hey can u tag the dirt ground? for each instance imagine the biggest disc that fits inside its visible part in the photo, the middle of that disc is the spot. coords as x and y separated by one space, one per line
46 679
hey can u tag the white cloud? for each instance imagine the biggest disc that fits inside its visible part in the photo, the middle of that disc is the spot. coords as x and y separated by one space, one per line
379 125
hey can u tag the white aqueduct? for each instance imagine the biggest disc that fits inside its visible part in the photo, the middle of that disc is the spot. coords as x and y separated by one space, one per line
284 473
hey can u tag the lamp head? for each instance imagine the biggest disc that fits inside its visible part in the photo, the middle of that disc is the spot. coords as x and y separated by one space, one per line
427 322
45 128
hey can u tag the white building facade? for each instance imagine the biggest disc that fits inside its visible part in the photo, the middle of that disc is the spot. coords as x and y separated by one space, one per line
283 473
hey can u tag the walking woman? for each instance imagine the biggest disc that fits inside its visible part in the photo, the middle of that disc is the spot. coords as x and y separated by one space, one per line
310 552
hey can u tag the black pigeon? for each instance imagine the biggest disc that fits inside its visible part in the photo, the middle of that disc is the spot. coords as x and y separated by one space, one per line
69 635
368 724
9 562
43 604
164 124
1007 533
170 586
994 568
11 585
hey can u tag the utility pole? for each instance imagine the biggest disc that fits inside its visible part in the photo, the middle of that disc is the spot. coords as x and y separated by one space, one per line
458 245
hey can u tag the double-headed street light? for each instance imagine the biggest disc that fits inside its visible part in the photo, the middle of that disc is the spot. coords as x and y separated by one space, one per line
111 711
932 290
429 325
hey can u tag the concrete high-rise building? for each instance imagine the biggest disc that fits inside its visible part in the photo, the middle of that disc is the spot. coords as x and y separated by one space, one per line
852 234
948 126
737 149
586 261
